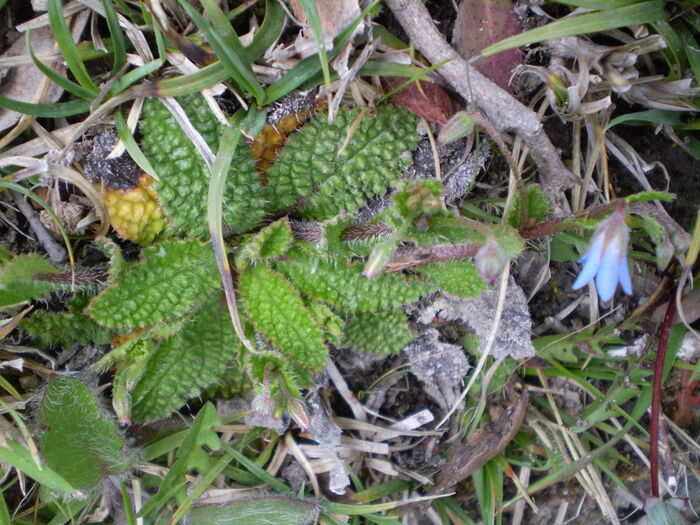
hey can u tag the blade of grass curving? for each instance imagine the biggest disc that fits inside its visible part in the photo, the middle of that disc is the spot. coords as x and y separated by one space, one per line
41 202
135 75
131 146
55 110
126 501
269 31
160 39
55 77
118 40
228 48
256 470
310 66
673 53
65 42
186 84
691 48
215 200
314 20
635 14
652 116
200 487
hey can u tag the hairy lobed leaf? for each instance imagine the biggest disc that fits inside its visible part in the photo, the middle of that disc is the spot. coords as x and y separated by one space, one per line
187 363
64 329
455 277
380 333
79 442
343 286
17 283
330 175
276 310
270 242
183 177
170 278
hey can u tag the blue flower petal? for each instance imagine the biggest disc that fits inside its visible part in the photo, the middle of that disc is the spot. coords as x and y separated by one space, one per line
624 274
591 260
607 277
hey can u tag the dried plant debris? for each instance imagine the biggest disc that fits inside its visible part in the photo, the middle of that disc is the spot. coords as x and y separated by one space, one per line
440 366
477 314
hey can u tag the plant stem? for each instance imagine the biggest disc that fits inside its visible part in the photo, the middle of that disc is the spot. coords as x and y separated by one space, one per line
656 398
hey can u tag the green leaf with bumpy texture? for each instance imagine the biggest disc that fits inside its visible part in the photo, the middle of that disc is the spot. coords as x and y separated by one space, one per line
276 310
271 241
278 510
455 277
79 442
183 177
342 285
170 278
17 282
317 165
187 363
65 330
537 206
377 333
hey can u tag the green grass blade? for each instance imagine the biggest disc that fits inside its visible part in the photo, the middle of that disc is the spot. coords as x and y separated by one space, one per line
314 20
227 47
55 77
131 146
135 75
55 110
310 66
186 84
652 116
269 31
259 472
639 13
691 48
118 40
673 53
64 39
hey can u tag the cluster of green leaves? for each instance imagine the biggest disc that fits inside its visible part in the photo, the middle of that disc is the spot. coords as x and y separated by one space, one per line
296 297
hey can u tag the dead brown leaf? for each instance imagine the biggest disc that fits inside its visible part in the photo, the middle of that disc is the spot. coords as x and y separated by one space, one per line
425 99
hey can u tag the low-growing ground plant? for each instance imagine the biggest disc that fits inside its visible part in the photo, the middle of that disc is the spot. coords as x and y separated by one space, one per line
262 264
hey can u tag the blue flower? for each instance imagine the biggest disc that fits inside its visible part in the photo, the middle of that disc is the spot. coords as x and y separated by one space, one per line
606 258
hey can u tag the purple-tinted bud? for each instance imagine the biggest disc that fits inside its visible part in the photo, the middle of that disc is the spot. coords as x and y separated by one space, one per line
381 256
490 260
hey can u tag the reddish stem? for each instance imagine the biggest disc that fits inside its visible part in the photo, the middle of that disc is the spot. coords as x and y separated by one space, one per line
656 398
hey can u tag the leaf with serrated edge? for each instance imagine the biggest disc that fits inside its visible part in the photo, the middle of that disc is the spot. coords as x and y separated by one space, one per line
186 363
271 241
344 286
455 277
318 166
276 310
171 277
380 333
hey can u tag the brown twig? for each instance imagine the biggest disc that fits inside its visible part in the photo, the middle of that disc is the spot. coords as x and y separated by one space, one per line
55 251
502 109
656 398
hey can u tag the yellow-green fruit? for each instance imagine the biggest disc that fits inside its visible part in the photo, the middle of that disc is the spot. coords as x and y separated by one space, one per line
135 213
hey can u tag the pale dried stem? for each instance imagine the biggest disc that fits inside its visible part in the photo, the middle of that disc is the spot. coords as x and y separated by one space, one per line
501 108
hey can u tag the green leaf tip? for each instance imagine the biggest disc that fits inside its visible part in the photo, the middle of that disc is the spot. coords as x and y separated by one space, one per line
187 363
337 167
276 310
183 181
170 278
79 442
